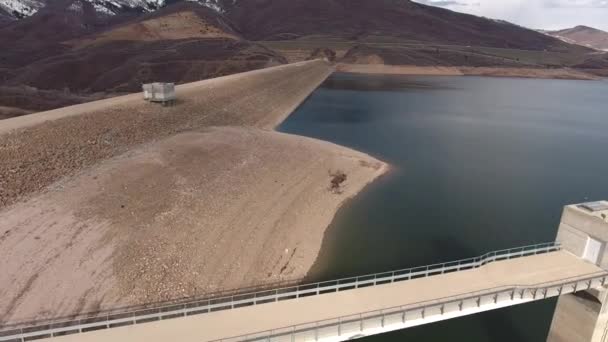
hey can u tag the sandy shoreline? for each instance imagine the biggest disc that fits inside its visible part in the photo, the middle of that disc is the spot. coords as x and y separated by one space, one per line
465 71
136 203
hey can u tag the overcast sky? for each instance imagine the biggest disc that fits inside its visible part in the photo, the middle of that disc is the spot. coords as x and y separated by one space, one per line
543 14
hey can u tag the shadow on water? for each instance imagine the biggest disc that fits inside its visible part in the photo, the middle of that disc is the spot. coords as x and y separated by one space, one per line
478 164
377 83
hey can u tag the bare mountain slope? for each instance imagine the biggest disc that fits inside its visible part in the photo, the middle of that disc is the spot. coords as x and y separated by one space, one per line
180 43
362 19
583 35
72 49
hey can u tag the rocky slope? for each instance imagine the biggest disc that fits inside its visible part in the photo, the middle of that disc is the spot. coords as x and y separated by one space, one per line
583 35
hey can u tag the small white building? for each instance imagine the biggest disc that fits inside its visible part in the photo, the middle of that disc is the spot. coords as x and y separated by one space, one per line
159 92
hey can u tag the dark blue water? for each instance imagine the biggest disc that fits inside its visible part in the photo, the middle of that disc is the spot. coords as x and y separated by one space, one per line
479 164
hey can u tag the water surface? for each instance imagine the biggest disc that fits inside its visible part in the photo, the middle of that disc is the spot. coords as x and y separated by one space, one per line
479 164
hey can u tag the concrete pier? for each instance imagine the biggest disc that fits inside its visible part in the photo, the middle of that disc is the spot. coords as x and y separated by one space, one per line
583 231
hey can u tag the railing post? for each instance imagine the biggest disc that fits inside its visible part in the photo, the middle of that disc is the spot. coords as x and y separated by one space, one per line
361 323
403 318
339 326
559 291
423 312
575 286
545 293
382 319
442 308
316 331
293 334
512 294
460 305
589 284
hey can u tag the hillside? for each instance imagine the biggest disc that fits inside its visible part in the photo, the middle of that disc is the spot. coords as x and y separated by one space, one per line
583 35
369 19
92 54
65 51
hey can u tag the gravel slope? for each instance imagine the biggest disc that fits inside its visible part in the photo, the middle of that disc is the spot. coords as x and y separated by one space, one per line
36 152
122 202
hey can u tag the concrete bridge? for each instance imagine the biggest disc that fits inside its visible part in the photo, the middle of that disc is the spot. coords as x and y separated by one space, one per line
361 306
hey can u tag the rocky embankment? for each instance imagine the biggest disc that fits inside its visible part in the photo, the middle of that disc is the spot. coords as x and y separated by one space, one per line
120 202
39 149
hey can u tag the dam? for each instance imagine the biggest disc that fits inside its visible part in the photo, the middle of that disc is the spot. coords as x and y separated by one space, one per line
559 268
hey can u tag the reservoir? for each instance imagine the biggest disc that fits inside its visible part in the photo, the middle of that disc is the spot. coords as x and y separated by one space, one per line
478 164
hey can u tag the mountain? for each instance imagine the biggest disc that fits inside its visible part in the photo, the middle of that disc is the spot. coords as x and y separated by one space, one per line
58 55
20 8
5 17
346 19
367 19
25 8
583 35
64 51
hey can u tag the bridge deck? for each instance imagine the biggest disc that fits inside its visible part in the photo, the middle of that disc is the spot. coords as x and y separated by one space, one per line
527 271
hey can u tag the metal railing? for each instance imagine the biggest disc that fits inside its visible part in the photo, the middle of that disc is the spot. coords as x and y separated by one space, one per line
399 316
118 318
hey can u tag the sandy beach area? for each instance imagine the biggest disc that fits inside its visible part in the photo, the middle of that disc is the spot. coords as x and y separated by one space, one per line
126 203
465 71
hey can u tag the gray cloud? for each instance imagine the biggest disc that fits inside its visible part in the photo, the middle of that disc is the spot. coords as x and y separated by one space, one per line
443 3
576 3
545 14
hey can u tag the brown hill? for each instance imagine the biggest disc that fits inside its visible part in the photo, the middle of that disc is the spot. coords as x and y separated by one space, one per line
181 43
40 36
122 66
583 35
369 19
70 51
180 25
179 21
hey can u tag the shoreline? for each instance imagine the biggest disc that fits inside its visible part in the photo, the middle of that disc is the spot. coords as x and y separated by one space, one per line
186 204
566 74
